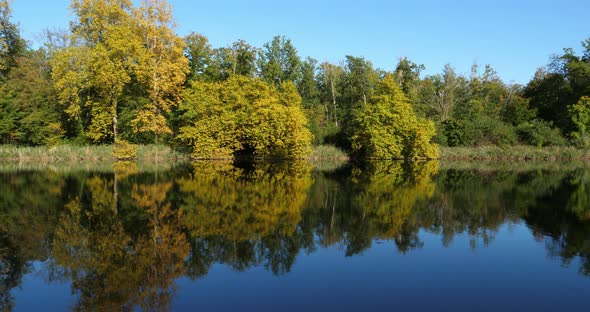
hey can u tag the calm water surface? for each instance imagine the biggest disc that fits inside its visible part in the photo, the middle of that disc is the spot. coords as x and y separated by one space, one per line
213 237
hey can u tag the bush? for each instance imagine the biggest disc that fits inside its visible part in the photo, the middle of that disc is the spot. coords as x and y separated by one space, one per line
323 152
580 119
485 130
124 150
539 133
580 140
454 132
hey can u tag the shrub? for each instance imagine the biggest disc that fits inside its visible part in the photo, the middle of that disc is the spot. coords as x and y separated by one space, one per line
454 132
580 119
124 150
539 133
485 130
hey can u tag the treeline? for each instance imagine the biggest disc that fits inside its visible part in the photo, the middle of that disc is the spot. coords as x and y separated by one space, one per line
121 74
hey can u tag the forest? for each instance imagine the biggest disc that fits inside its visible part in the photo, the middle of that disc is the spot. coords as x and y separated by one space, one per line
121 75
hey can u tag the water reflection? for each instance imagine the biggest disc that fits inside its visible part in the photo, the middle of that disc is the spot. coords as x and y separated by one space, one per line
122 238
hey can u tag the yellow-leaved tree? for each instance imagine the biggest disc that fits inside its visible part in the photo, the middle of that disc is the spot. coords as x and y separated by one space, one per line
162 68
387 127
92 72
114 48
244 116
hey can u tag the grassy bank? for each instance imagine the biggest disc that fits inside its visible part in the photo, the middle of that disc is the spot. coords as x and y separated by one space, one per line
328 152
513 153
68 154
104 153
512 166
68 158
83 154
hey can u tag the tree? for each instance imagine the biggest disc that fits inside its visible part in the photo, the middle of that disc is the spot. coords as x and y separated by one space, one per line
11 44
439 95
91 75
279 62
358 82
308 86
563 82
242 58
244 116
357 86
239 58
580 116
117 49
162 69
198 51
330 76
407 74
31 116
387 127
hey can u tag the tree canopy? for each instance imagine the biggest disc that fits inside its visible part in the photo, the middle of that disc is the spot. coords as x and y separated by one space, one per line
244 116
122 75
387 127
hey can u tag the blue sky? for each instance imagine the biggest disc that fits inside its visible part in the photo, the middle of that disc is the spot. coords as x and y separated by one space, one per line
515 37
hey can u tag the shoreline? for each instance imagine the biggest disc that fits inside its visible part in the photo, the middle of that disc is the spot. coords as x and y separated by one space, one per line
519 153
161 153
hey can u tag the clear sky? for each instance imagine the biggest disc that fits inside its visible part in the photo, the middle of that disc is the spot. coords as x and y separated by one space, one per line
515 37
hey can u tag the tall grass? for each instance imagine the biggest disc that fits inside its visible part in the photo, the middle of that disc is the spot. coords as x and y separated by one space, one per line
328 152
519 152
69 153
512 166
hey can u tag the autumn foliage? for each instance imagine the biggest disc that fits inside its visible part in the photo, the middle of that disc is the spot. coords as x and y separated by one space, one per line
244 116
388 128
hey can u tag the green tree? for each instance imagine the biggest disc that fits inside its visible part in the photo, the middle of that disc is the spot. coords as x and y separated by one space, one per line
242 58
308 86
562 83
407 74
28 108
239 58
279 62
330 77
580 116
358 82
11 44
439 94
198 51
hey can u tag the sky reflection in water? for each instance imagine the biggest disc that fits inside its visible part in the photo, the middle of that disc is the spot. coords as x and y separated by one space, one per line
215 237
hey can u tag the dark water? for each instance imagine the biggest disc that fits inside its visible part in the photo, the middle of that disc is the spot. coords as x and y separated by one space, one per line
211 237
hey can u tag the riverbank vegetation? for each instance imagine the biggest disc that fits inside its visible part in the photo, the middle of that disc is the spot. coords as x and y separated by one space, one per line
121 75
92 153
519 152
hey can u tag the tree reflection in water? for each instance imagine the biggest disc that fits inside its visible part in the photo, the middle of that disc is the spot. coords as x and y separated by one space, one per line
122 238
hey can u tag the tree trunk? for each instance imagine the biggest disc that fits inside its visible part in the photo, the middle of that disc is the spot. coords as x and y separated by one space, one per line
115 122
334 100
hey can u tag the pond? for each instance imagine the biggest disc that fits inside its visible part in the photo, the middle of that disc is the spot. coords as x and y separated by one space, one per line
293 237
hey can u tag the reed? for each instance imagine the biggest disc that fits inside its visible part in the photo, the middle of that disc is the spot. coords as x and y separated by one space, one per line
77 154
328 152
514 153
